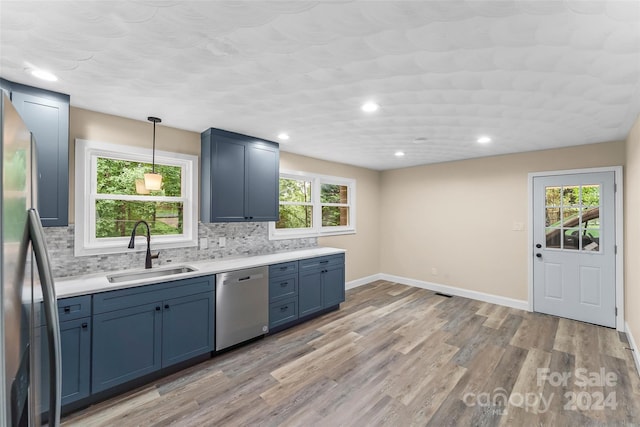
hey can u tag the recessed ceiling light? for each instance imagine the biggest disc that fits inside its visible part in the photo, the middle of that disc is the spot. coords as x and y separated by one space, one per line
399 154
484 139
370 107
43 74
283 136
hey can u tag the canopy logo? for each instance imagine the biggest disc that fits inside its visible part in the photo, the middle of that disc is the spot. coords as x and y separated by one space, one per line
578 397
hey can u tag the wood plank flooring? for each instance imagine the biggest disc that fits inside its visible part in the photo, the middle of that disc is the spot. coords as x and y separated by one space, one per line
400 356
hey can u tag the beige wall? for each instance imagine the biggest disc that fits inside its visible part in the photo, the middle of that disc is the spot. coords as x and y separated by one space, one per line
362 247
458 217
632 233
93 126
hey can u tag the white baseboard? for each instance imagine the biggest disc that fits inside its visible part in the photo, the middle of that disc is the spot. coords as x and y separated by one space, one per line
450 290
634 347
362 281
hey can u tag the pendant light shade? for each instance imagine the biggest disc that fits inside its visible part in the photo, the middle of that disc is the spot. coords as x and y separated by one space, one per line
140 187
153 180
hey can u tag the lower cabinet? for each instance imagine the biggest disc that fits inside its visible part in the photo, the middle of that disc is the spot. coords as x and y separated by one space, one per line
126 345
75 340
283 293
321 283
111 338
310 292
131 342
75 349
187 328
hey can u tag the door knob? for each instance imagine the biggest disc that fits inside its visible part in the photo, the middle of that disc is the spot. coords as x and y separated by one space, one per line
538 245
539 255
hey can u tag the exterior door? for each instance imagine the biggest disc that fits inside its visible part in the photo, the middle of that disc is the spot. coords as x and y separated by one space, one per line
574 247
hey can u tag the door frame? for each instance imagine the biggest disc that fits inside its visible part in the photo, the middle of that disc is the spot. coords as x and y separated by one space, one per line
619 232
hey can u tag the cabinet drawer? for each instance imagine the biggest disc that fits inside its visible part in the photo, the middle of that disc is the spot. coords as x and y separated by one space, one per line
132 297
285 268
74 308
323 261
283 287
282 312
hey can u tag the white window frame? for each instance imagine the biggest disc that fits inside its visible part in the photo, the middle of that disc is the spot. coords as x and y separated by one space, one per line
317 230
87 153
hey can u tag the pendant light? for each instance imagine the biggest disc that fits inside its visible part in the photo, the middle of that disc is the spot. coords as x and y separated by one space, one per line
153 180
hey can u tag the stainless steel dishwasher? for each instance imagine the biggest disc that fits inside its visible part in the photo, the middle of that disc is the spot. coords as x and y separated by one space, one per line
242 306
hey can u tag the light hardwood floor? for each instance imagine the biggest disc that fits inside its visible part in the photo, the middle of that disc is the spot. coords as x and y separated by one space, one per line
396 355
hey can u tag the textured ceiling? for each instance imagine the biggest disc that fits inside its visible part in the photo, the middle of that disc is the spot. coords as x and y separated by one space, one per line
531 75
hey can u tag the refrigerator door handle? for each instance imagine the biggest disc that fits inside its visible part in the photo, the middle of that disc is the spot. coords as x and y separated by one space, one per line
51 314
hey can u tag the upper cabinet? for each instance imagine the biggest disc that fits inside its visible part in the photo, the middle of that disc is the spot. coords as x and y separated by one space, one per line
46 114
240 178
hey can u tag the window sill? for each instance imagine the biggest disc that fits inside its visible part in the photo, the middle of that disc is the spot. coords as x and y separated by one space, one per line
141 246
307 234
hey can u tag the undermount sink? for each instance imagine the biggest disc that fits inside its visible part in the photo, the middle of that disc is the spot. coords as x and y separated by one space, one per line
147 274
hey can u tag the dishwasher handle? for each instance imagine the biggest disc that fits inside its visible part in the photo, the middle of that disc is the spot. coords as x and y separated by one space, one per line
232 280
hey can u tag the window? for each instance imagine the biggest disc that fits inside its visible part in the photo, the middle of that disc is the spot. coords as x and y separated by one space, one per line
314 205
110 199
573 218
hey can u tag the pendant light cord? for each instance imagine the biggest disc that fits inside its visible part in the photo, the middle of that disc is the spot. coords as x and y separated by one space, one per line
153 152
154 120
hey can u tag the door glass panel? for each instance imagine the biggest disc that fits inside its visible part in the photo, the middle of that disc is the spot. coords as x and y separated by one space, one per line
590 195
553 237
572 217
591 240
552 196
571 196
553 217
571 238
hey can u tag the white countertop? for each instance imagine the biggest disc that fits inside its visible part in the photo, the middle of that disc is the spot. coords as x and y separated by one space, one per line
93 283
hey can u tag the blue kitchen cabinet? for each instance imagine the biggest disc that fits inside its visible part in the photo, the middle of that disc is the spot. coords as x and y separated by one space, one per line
138 331
126 345
75 339
333 285
187 327
75 345
283 293
240 178
321 283
309 292
46 114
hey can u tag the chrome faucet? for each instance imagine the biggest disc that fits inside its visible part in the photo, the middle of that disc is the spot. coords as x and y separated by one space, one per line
132 243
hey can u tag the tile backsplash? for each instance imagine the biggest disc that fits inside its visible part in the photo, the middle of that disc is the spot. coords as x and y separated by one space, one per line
241 239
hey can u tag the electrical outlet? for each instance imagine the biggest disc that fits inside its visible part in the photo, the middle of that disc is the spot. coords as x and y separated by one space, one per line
204 243
434 271
222 242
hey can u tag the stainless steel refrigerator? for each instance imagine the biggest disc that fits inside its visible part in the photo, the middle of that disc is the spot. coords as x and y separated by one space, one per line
28 303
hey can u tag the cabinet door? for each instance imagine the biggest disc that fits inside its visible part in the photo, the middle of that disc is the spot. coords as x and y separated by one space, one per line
332 286
47 117
75 346
75 336
309 292
262 183
126 345
187 327
228 180
240 177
